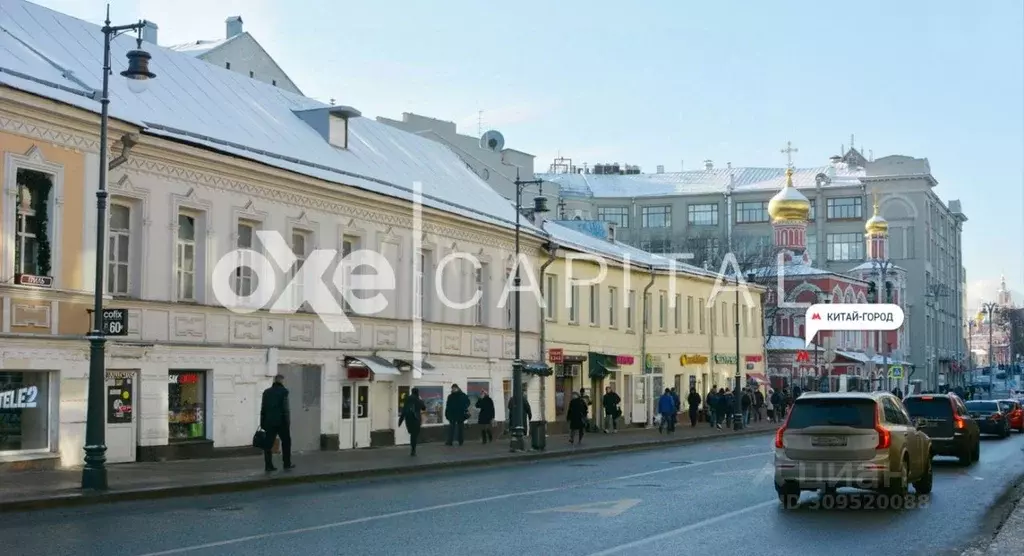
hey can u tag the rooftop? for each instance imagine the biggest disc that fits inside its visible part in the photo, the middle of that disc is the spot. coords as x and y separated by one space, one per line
198 48
54 55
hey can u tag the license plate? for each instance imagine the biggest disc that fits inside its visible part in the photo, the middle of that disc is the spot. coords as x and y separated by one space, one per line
828 441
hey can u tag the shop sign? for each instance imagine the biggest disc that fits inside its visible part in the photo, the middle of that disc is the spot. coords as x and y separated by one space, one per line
753 358
35 281
556 355
183 378
22 398
624 359
119 401
801 356
725 359
694 359
574 358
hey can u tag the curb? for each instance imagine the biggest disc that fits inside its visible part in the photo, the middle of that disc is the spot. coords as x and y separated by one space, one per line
258 483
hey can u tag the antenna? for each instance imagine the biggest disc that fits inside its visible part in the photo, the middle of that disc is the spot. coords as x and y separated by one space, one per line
479 123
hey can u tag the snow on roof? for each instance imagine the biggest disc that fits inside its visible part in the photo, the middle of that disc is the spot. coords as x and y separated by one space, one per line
54 55
575 239
793 269
697 182
789 343
875 266
198 48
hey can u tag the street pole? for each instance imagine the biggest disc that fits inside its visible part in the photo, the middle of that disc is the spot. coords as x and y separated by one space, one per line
737 419
990 308
517 426
94 473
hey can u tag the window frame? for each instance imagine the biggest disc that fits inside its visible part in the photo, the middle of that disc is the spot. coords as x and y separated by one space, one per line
616 215
181 246
751 212
697 209
836 208
653 212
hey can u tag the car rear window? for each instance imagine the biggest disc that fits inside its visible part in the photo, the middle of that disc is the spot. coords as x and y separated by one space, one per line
1006 406
811 412
935 408
982 406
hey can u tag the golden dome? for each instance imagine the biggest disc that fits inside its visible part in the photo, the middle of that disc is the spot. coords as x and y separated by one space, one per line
876 225
789 204
980 317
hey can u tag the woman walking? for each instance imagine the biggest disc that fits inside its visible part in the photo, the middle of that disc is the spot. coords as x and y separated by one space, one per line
577 417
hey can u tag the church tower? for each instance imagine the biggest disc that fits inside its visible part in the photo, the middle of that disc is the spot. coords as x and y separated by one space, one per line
877 235
789 210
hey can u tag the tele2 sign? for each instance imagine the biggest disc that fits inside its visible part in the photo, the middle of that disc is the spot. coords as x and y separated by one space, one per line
22 398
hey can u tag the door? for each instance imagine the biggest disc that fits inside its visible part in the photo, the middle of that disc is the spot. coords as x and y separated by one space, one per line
355 415
122 426
639 409
304 388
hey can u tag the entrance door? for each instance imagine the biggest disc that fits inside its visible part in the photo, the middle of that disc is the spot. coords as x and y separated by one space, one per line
639 399
304 385
355 416
122 426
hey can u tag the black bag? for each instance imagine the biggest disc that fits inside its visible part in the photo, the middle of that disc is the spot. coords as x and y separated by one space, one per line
259 439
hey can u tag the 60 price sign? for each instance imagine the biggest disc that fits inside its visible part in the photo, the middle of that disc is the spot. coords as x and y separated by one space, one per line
115 322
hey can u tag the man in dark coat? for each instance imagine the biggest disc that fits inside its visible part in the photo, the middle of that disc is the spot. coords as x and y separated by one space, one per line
693 401
486 406
577 417
758 403
610 403
711 400
275 420
456 410
412 416
527 413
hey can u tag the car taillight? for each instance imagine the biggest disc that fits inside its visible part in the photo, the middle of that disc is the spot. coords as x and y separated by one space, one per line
958 422
884 437
782 430
926 397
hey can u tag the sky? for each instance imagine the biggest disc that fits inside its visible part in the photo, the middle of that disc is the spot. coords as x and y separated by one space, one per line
676 82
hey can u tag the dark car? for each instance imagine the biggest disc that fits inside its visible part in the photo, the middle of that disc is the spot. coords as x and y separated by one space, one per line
990 417
947 421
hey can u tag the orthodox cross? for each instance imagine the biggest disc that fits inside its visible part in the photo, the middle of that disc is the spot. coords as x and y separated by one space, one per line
788 151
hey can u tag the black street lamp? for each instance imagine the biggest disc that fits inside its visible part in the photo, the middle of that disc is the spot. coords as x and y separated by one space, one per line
737 417
518 428
94 474
990 308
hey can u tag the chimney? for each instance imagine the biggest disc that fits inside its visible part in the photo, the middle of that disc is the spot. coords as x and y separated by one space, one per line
708 165
834 160
661 169
234 26
149 32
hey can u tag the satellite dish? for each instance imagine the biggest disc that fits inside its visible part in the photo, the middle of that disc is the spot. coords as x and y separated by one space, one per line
492 141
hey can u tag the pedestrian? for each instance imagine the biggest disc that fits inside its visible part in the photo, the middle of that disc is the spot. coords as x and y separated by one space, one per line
770 404
275 420
577 417
486 406
611 402
527 413
412 416
667 409
746 405
758 404
725 406
711 400
693 401
456 411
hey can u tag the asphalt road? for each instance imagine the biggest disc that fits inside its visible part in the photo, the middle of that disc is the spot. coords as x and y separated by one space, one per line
708 498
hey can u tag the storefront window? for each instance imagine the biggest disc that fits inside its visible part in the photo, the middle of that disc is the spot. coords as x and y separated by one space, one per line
433 398
475 390
186 405
24 411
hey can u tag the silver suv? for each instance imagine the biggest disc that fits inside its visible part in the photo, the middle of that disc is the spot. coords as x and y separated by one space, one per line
850 439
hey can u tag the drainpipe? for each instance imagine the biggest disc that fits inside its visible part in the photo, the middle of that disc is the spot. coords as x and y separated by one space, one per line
648 384
552 255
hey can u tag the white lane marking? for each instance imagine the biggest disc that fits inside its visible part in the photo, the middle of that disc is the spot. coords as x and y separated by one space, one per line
603 509
402 513
685 529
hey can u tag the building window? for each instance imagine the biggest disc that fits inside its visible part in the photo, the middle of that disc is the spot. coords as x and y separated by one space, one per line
746 322
616 215
24 411
186 257
679 313
725 319
481 286
551 311
613 306
186 405
32 232
350 245
656 217
689 316
812 244
509 303
631 310
662 311
300 248
648 312
751 212
595 315
574 304
814 210
245 277
845 247
842 208
702 215
119 250
701 310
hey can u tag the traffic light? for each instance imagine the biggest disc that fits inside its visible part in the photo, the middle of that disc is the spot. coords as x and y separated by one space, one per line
872 292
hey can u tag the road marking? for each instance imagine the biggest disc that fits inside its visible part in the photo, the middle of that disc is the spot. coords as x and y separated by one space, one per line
603 509
686 529
414 511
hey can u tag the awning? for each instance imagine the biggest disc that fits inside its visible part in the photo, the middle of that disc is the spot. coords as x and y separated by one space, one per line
757 377
377 365
602 364
417 369
538 368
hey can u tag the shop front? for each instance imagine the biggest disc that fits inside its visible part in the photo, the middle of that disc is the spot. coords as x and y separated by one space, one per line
569 377
28 413
122 423
694 375
361 372
602 370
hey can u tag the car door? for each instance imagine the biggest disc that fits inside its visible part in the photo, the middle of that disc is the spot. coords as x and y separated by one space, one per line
919 446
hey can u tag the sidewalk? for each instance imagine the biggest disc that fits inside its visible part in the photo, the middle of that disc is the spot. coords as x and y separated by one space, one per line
136 481
1008 540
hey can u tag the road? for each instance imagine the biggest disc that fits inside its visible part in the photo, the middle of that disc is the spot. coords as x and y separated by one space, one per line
713 497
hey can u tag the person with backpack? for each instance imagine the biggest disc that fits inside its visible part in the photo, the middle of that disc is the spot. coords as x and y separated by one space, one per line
411 415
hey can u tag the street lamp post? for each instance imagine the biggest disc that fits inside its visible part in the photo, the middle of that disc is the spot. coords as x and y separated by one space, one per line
737 418
934 292
990 308
94 474
516 425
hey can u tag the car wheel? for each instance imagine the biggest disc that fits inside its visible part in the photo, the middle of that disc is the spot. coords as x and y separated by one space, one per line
898 485
966 455
1020 430
789 496
924 484
976 452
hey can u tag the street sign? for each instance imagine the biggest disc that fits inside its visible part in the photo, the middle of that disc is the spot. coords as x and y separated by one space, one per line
896 371
115 322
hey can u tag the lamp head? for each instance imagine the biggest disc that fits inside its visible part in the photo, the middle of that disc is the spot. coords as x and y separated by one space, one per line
138 74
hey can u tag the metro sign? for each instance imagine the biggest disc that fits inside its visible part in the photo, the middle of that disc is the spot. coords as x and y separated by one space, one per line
802 357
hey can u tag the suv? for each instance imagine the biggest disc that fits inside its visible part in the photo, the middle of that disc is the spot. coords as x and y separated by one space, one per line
850 439
944 418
